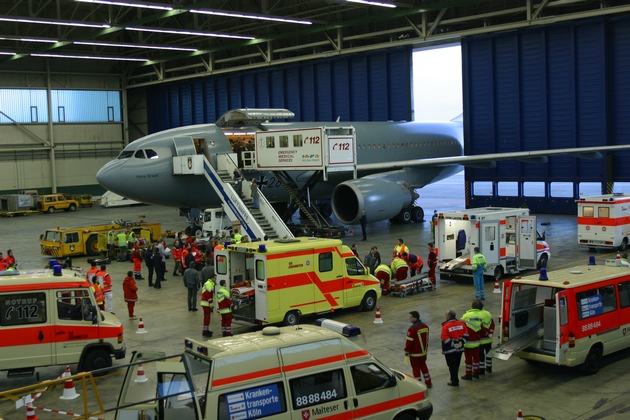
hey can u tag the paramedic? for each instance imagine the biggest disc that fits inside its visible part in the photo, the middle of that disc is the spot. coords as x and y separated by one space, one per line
225 309
432 263
473 320
485 341
416 347
384 274
454 336
207 304
478 267
399 249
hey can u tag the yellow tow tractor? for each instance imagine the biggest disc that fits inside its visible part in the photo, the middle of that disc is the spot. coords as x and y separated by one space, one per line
93 240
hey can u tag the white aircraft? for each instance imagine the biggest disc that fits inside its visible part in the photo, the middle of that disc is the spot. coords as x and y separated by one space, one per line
393 159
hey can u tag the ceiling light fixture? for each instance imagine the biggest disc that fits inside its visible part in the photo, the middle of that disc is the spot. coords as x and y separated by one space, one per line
155 6
6 53
185 32
125 45
53 22
88 57
251 16
372 3
15 38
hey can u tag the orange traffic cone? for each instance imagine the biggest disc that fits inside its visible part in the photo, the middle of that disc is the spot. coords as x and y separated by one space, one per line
69 393
519 416
618 259
378 319
140 377
141 329
497 288
30 411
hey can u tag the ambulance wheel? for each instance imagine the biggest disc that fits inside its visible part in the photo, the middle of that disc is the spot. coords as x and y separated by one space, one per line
406 416
98 358
498 272
369 302
291 318
624 244
542 262
91 246
593 361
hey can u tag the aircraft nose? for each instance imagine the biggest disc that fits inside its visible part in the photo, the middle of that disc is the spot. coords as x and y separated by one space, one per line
111 176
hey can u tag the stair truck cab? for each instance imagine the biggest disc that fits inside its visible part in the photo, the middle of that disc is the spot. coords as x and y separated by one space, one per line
50 318
507 237
604 221
567 317
281 280
287 373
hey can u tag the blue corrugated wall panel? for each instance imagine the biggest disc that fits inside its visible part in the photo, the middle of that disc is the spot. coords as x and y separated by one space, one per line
551 87
372 86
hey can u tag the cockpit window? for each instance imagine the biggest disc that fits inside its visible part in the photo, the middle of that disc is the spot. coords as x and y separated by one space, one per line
139 154
125 154
151 154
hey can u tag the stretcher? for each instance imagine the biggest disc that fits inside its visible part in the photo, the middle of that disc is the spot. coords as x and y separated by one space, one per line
412 285
242 294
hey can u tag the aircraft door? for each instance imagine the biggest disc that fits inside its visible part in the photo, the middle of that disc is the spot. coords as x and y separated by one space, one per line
184 146
489 242
260 287
526 242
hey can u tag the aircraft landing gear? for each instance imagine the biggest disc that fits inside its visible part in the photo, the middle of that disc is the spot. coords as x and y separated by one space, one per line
409 214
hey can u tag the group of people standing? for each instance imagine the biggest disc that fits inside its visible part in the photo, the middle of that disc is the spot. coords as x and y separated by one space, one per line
470 335
8 263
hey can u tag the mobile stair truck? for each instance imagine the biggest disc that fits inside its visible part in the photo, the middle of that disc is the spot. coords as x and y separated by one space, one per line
604 221
507 237
280 280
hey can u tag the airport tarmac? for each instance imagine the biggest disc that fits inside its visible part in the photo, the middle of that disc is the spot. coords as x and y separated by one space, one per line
549 392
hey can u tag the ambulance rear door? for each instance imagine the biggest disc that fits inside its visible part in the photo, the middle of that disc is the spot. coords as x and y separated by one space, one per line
489 243
260 286
562 328
526 243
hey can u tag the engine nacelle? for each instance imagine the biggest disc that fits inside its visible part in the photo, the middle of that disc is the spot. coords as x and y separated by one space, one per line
379 198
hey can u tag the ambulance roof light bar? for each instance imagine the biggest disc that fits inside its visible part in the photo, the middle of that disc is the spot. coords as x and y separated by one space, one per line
346 330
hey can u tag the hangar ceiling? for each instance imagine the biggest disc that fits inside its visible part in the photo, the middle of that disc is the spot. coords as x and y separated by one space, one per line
146 44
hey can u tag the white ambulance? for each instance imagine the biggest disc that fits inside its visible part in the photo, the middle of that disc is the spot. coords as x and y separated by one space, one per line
52 319
507 237
604 221
568 317
288 373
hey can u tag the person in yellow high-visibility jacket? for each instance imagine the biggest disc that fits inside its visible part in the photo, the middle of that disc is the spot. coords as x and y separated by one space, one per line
478 262
224 307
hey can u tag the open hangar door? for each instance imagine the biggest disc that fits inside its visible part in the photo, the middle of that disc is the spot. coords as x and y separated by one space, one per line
551 87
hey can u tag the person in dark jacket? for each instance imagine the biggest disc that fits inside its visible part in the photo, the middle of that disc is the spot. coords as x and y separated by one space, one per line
192 281
148 261
158 266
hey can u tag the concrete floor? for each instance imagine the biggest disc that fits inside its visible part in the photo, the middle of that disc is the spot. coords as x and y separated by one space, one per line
546 391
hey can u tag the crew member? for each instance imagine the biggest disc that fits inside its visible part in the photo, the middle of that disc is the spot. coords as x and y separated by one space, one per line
400 269
225 309
122 246
432 262
454 336
473 319
417 346
384 274
400 248
207 304
99 296
106 283
485 341
414 262
478 262
89 275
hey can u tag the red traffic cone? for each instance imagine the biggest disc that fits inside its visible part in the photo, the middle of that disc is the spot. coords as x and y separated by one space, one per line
497 288
519 416
140 377
378 319
69 393
141 329
30 411
618 259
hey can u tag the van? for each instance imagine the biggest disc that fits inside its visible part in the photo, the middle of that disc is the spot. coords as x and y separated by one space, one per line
280 373
50 318
567 317
604 221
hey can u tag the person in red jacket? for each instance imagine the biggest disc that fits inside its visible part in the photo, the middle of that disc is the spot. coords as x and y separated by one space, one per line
414 262
417 346
207 304
130 292
454 336
89 275
99 296
136 257
432 263
106 283
176 252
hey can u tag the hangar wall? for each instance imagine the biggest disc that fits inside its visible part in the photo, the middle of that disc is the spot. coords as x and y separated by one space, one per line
551 87
369 87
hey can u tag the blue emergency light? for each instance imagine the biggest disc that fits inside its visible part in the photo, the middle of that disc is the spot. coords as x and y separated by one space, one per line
57 270
543 274
52 263
591 260
262 248
346 330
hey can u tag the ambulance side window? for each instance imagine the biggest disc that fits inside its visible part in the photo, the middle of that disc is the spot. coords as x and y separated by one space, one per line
22 309
260 270
325 262
369 377
221 264
624 294
588 211
253 403
318 388
603 212
596 301
74 305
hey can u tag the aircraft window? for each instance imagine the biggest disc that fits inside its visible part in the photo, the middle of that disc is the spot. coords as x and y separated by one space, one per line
588 211
270 141
139 154
284 141
603 212
125 154
297 140
151 154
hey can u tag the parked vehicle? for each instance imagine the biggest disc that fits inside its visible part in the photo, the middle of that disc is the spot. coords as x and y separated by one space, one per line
50 203
604 221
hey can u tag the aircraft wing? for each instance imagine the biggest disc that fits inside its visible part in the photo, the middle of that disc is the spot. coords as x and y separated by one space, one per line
489 160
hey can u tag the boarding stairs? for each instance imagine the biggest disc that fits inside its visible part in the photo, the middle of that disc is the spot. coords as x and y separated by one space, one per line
256 223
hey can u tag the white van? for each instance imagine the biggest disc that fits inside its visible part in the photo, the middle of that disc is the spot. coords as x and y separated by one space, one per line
298 372
49 318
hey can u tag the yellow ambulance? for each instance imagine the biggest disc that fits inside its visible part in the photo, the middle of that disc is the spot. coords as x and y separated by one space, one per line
281 280
303 372
50 318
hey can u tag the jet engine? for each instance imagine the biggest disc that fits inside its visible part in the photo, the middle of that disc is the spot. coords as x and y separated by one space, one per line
379 198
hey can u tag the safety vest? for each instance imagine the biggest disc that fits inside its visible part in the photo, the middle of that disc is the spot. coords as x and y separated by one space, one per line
98 293
104 280
91 273
122 239
417 340
487 327
131 236
478 262
474 322
223 300
207 293
238 237
399 249
397 263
